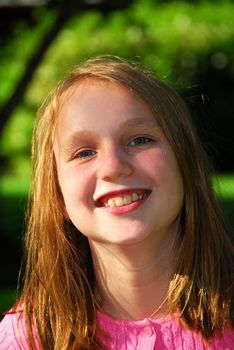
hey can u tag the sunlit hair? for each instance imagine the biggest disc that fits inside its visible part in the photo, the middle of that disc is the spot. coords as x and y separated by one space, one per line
59 296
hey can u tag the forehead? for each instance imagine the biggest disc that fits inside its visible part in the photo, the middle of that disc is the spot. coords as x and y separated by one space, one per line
94 98
90 87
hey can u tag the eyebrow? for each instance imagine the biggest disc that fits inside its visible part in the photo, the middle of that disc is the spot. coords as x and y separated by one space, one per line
140 122
68 144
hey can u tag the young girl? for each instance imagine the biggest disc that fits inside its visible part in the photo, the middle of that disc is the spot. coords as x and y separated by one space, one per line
126 248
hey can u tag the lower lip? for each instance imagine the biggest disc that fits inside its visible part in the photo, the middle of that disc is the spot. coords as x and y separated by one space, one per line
125 208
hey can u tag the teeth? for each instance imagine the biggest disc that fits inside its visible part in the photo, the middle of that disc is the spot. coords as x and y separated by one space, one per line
121 201
135 197
127 200
111 203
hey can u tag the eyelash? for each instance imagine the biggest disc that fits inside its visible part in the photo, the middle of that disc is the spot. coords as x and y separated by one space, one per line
89 152
142 138
85 153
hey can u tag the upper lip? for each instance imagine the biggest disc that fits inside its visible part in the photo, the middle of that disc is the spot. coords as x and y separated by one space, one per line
108 195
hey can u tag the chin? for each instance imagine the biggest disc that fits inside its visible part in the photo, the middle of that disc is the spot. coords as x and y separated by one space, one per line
128 238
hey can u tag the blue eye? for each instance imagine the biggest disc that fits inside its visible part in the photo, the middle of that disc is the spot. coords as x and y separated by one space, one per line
139 141
85 153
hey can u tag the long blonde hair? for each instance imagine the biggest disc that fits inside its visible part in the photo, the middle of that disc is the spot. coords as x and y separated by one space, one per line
59 297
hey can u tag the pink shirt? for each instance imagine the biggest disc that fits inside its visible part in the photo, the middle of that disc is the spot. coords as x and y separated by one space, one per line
148 334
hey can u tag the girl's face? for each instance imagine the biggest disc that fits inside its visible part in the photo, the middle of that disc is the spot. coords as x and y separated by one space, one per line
118 175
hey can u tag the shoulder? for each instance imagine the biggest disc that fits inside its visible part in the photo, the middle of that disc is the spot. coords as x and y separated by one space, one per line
165 333
226 337
13 332
221 339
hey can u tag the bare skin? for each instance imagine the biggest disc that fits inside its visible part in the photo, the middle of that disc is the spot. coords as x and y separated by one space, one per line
134 281
123 190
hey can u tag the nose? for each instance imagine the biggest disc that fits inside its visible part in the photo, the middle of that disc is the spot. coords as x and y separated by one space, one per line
113 164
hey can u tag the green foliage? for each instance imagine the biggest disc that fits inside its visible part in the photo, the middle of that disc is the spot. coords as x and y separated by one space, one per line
19 48
224 185
173 38
168 37
7 297
14 195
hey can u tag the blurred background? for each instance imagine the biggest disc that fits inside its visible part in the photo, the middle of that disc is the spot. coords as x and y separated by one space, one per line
189 44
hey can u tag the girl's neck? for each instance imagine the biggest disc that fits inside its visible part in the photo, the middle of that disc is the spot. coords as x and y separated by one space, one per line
133 281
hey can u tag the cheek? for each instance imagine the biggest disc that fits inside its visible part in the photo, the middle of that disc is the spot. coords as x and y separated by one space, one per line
173 183
76 185
162 166
155 163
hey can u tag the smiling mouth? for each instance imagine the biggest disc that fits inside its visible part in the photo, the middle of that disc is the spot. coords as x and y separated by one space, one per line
122 199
